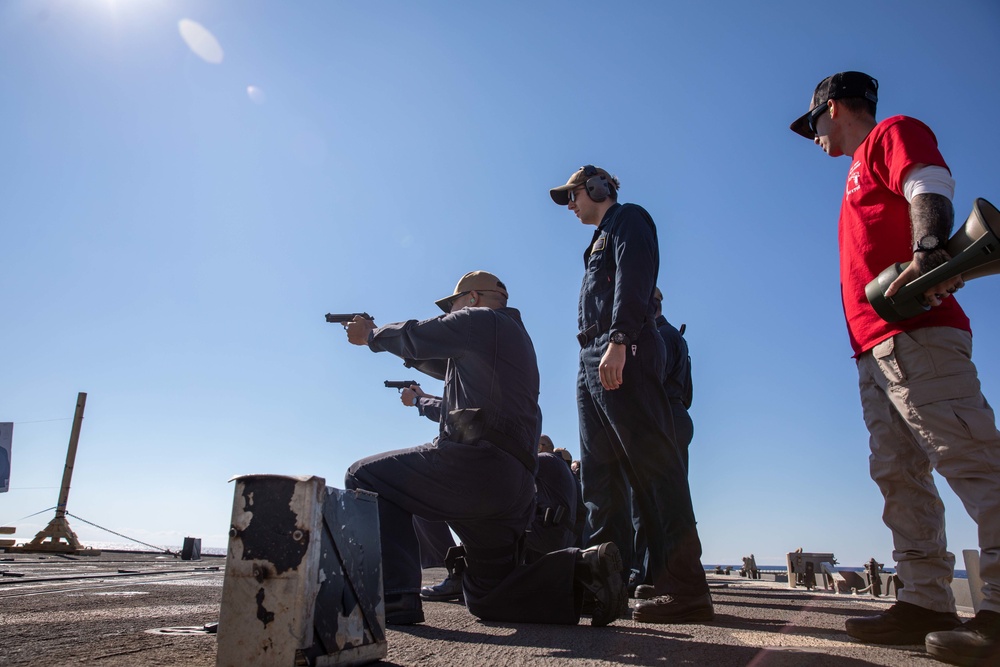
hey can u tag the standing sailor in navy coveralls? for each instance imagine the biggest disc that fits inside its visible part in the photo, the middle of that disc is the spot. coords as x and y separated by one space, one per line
479 473
677 382
626 429
677 378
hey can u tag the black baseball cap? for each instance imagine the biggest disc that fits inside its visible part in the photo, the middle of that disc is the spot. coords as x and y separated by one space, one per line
837 87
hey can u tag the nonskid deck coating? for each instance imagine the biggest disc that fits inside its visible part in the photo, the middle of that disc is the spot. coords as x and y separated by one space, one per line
113 619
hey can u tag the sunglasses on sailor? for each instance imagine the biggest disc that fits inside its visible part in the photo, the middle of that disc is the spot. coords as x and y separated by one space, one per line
814 115
455 297
572 194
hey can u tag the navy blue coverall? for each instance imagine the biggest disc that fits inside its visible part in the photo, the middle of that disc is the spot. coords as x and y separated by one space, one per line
434 540
484 488
555 486
677 382
433 537
628 434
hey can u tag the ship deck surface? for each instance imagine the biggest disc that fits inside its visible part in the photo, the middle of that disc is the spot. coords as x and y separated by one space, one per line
143 609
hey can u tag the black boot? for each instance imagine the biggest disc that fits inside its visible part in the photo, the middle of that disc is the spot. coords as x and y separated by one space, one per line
675 609
598 576
902 623
975 643
644 592
403 609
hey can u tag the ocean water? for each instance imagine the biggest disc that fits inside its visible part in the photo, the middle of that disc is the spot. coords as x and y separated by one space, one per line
959 574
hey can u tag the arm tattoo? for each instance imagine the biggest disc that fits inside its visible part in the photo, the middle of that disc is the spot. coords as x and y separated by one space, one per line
931 214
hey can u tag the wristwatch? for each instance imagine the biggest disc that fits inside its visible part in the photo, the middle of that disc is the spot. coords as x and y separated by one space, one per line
927 243
618 338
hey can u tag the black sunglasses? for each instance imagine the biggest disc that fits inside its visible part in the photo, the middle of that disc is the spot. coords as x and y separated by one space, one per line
572 193
450 301
814 115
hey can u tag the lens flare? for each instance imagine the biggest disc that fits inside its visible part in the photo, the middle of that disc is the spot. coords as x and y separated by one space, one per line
256 95
202 42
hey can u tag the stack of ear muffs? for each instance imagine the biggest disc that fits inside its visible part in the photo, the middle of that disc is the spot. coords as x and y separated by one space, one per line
974 250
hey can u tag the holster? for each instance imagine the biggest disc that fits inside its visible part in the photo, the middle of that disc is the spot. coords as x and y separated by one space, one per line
552 516
469 425
465 426
454 559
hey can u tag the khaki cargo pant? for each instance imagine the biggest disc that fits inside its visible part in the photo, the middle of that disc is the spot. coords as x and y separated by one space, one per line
925 410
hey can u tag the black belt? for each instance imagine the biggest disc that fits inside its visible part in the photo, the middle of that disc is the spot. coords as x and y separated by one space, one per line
587 335
466 426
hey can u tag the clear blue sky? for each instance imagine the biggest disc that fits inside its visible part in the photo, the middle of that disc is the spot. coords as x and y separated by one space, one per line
171 239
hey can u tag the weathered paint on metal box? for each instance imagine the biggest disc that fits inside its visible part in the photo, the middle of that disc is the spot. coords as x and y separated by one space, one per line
303 582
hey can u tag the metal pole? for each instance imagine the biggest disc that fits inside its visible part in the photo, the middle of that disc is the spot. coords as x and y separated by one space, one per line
74 438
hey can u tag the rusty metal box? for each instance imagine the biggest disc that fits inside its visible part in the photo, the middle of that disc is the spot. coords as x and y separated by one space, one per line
303 582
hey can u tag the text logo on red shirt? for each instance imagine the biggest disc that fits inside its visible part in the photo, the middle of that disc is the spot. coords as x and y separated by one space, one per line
853 179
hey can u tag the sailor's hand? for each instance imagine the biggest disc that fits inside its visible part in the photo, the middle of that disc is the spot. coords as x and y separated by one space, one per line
358 330
409 395
921 264
612 365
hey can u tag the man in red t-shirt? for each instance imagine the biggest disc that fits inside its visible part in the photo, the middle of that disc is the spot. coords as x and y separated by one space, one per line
920 392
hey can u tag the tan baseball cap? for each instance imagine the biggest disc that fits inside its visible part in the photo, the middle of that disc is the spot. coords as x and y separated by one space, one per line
580 177
479 281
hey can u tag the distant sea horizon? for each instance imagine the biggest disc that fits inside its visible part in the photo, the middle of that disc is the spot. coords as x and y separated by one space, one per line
959 574
217 551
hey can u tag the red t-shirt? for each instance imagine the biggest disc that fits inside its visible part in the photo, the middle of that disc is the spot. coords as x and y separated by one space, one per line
875 228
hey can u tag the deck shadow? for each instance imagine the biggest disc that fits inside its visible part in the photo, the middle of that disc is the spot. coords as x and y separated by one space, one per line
625 645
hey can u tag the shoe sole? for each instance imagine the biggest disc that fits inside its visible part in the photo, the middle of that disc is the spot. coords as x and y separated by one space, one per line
443 598
694 616
611 566
404 618
887 638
